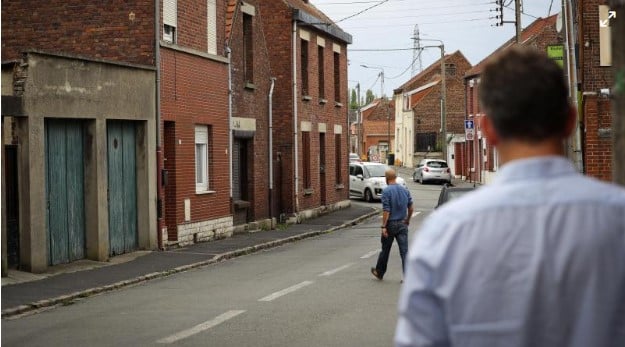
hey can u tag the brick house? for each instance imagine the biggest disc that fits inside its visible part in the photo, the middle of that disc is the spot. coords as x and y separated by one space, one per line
418 112
595 78
310 104
78 131
478 161
194 122
377 127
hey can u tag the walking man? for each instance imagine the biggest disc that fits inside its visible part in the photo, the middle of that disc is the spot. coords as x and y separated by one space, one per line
537 258
397 210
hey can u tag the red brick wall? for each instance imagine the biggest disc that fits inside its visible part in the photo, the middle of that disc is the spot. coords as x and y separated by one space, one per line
253 103
113 30
277 27
596 110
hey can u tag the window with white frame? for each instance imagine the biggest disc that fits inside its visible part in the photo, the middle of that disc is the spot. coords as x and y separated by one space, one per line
202 158
170 20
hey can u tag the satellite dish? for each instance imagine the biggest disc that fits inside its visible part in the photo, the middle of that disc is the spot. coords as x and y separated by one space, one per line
559 22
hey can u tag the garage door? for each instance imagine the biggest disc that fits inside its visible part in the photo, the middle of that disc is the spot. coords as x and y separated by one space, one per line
122 185
65 190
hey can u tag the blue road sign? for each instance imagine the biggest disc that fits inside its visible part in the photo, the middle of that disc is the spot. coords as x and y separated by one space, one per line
468 124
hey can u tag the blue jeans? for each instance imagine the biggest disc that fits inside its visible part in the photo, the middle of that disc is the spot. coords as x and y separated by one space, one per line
397 230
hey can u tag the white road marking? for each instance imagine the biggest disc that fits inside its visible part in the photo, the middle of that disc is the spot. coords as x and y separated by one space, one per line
201 327
332 272
370 254
286 291
416 214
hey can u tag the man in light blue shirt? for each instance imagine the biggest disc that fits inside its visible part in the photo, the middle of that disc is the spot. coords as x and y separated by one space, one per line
537 258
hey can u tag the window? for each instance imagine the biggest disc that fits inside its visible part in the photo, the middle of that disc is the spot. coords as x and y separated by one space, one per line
202 157
337 158
170 20
211 26
337 77
450 69
304 66
306 159
406 102
320 51
425 142
248 48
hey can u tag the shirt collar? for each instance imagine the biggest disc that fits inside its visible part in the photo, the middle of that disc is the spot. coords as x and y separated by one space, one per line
535 168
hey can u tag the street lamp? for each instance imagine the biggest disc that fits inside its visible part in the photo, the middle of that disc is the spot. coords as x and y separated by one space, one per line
388 116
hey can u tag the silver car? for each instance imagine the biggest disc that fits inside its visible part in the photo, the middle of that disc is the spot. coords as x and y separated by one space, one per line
432 170
367 180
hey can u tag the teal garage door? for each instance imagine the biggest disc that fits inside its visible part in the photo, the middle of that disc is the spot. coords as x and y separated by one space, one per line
65 211
122 185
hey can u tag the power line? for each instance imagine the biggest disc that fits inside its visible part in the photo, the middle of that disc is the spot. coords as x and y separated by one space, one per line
409 25
363 11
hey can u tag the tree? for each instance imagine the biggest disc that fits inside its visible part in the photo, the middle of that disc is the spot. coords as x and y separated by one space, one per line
353 103
370 96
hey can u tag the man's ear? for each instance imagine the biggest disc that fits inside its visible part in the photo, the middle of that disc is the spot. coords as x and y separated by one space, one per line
489 130
571 122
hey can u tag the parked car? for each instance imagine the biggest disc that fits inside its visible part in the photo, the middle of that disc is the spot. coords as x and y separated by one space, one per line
367 180
354 158
449 193
432 170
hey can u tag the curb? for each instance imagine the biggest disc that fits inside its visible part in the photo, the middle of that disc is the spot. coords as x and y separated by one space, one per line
70 298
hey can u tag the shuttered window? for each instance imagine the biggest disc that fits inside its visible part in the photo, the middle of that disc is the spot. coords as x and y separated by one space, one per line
338 163
170 20
202 157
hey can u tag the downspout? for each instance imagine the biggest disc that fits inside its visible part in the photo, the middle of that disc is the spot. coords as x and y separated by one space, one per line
273 80
159 153
578 158
295 137
230 146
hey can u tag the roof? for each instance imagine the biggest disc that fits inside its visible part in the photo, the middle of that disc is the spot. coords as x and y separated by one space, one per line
305 5
379 110
420 95
420 78
534 30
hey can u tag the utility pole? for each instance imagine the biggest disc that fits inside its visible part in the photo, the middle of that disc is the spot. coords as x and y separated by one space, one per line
517 21
443 102
618 64
417 64
358 123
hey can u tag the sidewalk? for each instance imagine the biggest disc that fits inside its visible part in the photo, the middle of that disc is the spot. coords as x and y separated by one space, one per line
64 284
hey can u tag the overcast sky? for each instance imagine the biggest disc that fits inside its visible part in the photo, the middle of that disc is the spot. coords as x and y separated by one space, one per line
461 24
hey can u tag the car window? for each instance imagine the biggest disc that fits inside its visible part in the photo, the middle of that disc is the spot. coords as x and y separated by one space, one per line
376 170
437 164
357 170
351 170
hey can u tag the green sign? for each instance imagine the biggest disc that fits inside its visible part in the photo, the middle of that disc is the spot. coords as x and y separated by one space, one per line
556 52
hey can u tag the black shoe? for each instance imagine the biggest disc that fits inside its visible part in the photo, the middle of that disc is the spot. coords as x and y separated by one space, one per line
376 274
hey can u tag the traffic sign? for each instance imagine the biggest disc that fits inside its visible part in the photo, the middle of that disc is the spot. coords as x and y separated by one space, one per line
468 124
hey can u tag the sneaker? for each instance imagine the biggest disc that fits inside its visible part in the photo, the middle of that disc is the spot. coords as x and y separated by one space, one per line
376 274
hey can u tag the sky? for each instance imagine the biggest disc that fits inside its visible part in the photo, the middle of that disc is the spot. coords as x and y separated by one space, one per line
461 24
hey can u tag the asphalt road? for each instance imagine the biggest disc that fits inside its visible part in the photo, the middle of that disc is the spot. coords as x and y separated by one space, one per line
317 292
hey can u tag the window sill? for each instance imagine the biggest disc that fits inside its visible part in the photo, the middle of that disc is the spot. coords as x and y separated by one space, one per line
204 192
323 101
306 98
339 186
308 191
250 86
338 104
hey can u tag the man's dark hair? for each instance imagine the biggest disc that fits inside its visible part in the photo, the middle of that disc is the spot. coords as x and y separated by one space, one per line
525 95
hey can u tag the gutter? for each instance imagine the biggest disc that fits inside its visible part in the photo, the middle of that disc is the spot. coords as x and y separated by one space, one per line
295 137
271 212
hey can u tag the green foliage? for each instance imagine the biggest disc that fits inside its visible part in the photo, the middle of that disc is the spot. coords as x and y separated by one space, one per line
369 96
353 100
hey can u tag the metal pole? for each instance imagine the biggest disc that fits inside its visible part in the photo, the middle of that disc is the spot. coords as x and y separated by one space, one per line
443 102
618 104
517 21
358 123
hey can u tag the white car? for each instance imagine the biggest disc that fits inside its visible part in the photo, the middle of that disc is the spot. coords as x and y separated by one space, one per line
367 180
432 170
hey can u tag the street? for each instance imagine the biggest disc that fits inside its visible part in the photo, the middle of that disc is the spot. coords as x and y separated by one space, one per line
317 292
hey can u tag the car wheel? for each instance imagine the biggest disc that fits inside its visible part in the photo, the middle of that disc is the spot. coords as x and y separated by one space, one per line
368 195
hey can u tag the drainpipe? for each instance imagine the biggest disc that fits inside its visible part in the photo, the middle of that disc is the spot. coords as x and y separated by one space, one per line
230 146
295 137
273 80
577 151
160 192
